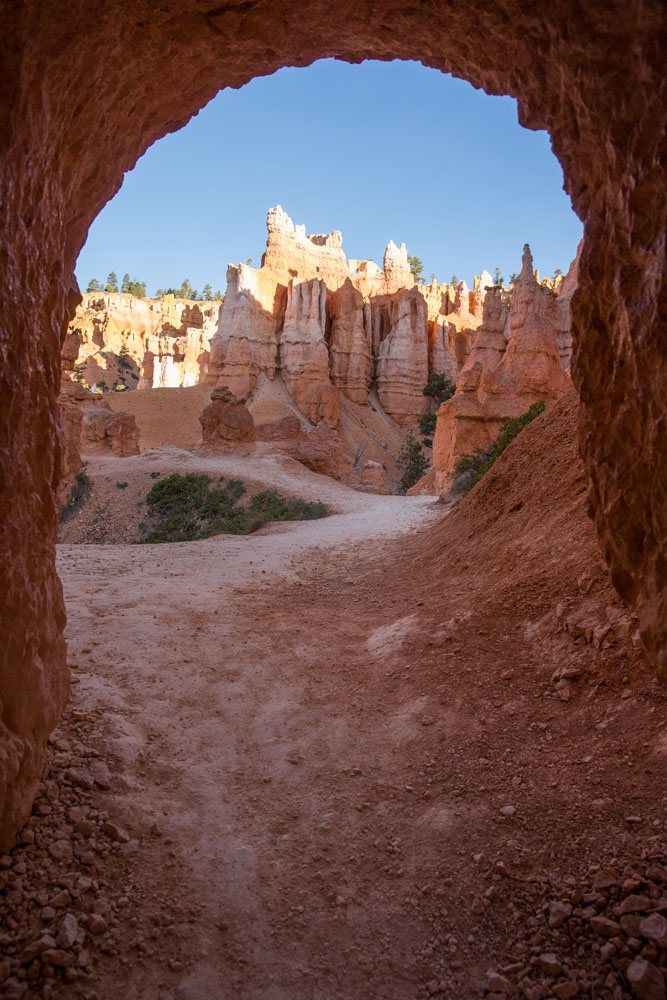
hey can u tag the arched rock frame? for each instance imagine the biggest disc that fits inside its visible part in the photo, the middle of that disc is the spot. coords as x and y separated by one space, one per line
89 85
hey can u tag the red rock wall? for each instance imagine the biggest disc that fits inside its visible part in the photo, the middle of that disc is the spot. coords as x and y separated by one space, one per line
84 93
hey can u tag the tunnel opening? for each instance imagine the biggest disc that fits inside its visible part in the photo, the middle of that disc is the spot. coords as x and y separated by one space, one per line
64 153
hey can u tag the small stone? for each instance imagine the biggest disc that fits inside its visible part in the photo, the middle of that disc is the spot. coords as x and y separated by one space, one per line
558 913
84 827
61 850
116 833
80 776
548 963
507 811
60 899
101 774
67 932
56 956
565 991
605 927
497 983
633 904
654 927
646 980
36 948
96 924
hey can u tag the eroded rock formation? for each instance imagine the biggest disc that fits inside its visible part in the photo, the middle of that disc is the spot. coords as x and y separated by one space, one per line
106 430
226 420
350 348
502 377
246 341
402 365
304 356
116 339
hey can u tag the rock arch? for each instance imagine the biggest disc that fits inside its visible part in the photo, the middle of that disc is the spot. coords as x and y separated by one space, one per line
87 87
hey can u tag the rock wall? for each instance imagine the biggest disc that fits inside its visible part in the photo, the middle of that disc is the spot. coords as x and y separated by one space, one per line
65 72
307 314
402 364
515 361
350 347
246 340
140 343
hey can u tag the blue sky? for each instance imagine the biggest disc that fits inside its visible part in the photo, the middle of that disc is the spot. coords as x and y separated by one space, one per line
378 150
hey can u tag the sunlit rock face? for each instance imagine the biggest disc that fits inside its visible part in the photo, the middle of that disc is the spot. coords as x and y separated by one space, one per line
515 361
350 347
122 340
306 316
304 355
246 341
293 255
402 361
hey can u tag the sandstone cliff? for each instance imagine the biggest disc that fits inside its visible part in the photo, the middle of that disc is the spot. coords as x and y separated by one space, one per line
515 361
140 343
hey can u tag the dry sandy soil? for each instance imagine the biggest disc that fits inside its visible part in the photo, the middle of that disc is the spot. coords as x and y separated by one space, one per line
374 751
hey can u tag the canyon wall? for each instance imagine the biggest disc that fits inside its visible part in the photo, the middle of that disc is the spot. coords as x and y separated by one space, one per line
517 359
325 325
329 326
308 314
122 340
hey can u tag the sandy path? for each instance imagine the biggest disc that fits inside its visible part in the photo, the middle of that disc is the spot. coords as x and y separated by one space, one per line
227 736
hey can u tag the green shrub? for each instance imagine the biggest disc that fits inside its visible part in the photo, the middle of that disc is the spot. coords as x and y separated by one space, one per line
412 461
470 469
438 388
186 508
427 424
121 486
78 495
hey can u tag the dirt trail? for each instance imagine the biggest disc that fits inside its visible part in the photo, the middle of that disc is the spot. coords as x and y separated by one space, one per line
377 759
228 732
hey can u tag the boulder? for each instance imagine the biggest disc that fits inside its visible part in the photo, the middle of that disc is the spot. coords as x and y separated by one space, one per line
374 477
226 419
107 430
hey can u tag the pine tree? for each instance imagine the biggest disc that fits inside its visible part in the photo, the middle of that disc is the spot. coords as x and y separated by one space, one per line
412 461
497 278
454 281
112 282
207 293
93 285
126 286
416 266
